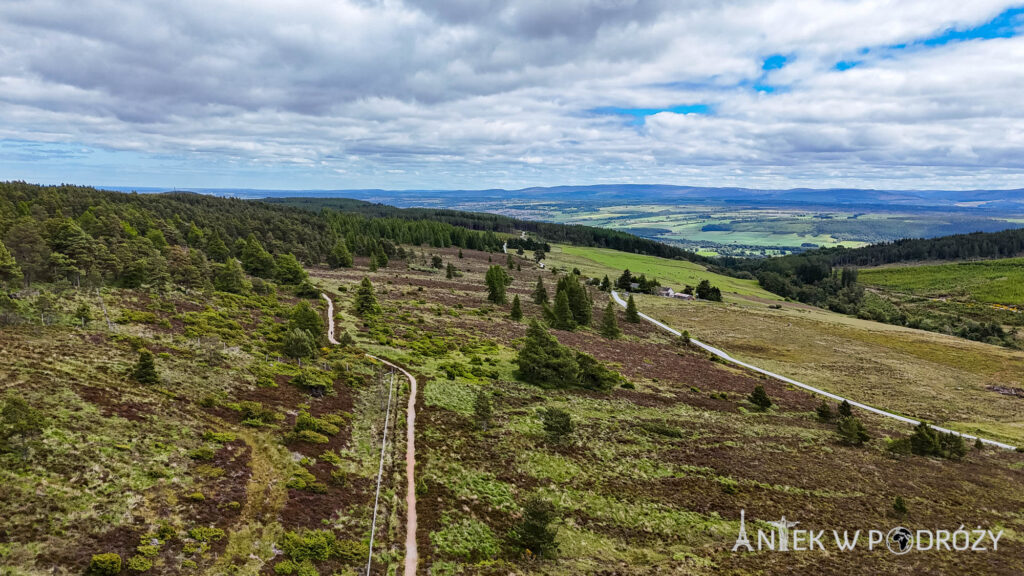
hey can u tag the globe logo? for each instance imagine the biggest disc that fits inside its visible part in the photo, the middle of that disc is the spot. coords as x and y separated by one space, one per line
899 540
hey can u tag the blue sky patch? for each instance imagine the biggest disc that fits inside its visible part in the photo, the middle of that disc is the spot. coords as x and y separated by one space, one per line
774 62
1006 25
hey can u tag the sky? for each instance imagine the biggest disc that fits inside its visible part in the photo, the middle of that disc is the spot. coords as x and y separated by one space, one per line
473 94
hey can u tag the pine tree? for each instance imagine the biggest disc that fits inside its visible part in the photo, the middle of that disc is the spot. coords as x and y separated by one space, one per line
899 506
84 314
340 257
288 270
540 293
852 431
497 281
19 421
624 281
144 371
632 314
845 410
517 310
365 304
449 272
9 270
482 409
229 278
759 398
534 533
304 317
824 411
606 284
298 344
460 254
545 362
609 323
373 262
579 299
256 260
510 262
216 249
562 312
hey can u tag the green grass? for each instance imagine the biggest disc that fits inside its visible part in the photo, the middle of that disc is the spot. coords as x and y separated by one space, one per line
675 273
990 281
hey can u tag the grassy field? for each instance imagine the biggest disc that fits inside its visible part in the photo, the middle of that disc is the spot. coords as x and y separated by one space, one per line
651 480
992 281
597 262
653 477
929 376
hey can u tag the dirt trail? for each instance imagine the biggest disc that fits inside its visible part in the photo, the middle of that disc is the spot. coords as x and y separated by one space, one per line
411 553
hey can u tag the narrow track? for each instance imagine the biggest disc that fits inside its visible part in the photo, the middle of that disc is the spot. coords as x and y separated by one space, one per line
721 354
411 552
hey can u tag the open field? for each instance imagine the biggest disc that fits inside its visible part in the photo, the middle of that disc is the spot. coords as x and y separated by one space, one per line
651 480
596 262
990 281
735 229
943 379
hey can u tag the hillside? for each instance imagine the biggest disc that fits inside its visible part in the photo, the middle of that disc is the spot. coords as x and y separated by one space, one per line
200 421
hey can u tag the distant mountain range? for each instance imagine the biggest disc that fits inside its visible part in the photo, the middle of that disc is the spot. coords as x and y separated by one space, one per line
954 200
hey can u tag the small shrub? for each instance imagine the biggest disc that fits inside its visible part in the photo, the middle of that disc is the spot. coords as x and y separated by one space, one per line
139 564
203 453
108 564
557 424
534 534
759 398
852 431
196 497
206 534
824 411
899 506
311 437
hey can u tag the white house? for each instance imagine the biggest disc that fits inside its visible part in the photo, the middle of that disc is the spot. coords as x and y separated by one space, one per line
666 292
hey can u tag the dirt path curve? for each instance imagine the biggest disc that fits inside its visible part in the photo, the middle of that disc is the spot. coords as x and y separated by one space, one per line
721 354
411 552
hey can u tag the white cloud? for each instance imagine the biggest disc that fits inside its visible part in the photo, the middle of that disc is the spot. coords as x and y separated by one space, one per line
493 93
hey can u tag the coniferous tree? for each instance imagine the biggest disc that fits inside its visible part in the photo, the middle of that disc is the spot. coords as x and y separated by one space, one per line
632 314
545 362
852 431
288 270
144 371
229 278
9 270
216 250
562 314
299 344
606 284
339 256
517 310
497 281
460 254
21 422
759 398
365 304
534 532
510 262
373 262
625 280
557 424
482 409
304 317
540 293
845 410
449 272
580 304
256 260
824 411
609 323
83 314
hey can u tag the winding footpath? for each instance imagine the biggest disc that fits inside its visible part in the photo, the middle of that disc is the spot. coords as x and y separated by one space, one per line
411 552
721 354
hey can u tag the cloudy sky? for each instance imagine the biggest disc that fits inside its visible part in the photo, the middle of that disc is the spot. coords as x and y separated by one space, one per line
492 93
